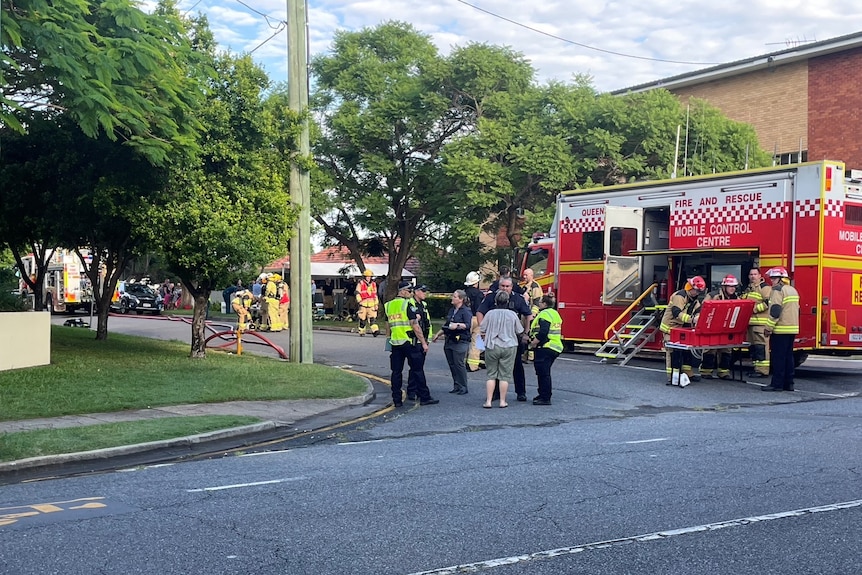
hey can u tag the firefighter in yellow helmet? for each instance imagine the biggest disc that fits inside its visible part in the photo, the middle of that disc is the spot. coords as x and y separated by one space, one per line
720 358
366 297
271 297
283 295
682 307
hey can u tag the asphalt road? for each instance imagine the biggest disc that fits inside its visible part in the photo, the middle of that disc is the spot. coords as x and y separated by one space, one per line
621 475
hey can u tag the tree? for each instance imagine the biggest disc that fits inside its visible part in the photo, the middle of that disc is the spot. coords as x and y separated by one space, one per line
110 67
67 189
388 104
531 145
227 208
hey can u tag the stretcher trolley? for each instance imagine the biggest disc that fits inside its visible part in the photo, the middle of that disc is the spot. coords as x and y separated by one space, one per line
721 324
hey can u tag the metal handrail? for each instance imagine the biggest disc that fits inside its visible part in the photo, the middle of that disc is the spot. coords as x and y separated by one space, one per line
628 311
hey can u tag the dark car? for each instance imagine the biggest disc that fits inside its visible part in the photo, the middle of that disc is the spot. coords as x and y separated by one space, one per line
139 298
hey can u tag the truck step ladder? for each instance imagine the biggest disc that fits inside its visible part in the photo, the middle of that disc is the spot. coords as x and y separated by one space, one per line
632 336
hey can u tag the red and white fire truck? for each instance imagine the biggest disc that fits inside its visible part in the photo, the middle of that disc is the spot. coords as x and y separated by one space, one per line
611 248
67 288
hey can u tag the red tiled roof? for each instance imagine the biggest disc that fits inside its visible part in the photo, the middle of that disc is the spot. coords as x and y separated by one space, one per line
340 254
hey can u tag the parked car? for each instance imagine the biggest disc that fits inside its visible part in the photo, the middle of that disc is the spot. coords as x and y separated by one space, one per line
139 298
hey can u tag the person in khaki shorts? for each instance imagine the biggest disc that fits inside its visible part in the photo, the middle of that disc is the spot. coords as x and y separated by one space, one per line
501 329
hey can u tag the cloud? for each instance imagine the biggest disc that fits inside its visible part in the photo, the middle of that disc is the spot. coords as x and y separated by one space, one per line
618 43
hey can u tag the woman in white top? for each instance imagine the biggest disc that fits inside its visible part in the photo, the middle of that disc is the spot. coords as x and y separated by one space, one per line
500 328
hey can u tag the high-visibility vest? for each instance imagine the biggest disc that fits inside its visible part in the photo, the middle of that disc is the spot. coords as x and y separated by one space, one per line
367 295
555 335
759 294
399 324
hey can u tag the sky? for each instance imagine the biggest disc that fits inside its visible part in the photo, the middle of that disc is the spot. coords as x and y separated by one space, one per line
619 44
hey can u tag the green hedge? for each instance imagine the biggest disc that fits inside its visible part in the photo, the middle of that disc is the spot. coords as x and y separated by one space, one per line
438 305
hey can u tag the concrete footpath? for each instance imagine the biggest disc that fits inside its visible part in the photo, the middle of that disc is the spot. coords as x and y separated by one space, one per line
285 415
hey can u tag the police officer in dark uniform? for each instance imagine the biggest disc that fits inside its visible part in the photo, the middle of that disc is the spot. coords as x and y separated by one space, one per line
416 381
408 342
520 306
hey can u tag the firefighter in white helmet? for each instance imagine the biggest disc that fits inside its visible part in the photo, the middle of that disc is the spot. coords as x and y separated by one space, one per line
682 307
366 297
720 358
782 329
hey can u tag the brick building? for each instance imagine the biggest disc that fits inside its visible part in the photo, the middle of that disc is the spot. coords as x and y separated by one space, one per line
804 102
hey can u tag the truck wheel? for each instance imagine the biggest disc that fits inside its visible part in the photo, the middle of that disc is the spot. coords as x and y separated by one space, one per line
50 306
123 308
799 358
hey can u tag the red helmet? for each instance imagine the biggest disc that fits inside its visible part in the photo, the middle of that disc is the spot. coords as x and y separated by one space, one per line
777 272
697 283
730 280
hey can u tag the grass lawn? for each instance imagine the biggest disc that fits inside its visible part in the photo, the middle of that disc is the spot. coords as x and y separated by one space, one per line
126 372
43 442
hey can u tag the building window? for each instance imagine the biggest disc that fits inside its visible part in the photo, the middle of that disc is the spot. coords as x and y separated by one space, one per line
852 215
791 158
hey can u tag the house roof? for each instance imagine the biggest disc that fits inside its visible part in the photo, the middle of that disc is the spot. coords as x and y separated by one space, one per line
332 261
747 65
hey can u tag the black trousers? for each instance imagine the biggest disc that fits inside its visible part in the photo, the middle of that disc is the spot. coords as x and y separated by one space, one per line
543 361
783 366
415 358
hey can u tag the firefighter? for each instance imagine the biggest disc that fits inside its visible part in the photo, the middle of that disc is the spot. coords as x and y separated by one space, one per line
533 294
682 307
263 303
283 295
240 302
727 291
366 297
271 297
758 291
782 327
475 296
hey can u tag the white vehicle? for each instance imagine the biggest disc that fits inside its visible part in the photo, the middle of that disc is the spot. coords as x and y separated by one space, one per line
67 289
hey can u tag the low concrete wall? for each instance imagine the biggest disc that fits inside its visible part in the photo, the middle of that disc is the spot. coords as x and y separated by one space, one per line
25 339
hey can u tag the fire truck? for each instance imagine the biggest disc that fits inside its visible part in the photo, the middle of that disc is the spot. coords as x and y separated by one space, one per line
67 289
615 253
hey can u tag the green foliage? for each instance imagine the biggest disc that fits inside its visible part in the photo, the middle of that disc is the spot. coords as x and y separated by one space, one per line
389 105
110 67
227 210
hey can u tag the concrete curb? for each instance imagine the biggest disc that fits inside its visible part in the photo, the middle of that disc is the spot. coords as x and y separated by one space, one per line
109 452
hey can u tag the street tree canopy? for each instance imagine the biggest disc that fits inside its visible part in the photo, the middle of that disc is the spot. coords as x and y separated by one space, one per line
389 104
110 67
226 210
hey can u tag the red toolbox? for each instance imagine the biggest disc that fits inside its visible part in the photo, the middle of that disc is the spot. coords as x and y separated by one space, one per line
721 323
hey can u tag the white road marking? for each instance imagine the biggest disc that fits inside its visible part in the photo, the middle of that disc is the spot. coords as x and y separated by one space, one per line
646 440
241 485
265 453
657 535
362 442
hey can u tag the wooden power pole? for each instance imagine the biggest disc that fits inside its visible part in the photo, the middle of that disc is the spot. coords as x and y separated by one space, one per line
300 193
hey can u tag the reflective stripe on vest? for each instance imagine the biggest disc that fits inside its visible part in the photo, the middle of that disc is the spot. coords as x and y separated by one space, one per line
399 325
555 335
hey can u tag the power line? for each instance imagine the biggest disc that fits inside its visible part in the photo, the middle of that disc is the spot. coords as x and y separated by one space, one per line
588 47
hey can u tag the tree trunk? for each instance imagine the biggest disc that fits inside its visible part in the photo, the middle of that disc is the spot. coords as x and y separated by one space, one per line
199 348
